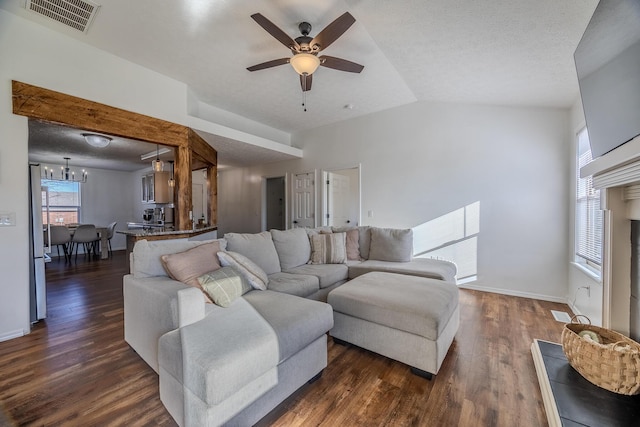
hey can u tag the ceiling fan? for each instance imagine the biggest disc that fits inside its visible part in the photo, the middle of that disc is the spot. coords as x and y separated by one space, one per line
305 49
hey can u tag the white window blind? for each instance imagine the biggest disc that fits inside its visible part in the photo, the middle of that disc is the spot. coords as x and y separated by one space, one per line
588 214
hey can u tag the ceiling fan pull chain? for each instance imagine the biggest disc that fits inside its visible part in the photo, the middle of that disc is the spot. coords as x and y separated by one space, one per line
304 95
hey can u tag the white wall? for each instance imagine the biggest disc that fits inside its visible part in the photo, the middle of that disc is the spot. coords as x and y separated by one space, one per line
581 300
36 55
423 161
105 198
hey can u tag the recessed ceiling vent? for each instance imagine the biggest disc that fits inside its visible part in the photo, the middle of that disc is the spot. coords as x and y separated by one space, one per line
77 14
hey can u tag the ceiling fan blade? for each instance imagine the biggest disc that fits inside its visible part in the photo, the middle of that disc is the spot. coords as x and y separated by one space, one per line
332 31
276 32
269 64
340 64
305 82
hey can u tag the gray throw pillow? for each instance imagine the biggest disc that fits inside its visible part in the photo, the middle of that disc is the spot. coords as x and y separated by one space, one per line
293 247
391 244
224 285
258 247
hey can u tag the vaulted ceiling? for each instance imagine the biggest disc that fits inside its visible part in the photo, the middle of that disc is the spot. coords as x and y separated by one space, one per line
516 53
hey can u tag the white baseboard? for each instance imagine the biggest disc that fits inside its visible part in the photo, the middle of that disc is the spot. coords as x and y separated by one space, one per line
11 335
510 292
574 308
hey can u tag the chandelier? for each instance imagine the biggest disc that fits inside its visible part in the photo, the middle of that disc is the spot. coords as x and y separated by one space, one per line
66 174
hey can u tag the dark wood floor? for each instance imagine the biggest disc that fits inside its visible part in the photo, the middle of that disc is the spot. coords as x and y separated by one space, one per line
76 369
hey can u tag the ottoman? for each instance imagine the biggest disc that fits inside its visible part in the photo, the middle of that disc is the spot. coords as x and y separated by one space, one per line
409 319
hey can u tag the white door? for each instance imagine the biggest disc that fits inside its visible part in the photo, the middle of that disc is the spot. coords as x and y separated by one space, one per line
303 214
338 194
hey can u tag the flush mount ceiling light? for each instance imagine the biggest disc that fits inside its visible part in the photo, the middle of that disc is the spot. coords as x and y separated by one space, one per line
95 140
305 63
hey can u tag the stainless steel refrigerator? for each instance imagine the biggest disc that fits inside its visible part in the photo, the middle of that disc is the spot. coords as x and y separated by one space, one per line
37 282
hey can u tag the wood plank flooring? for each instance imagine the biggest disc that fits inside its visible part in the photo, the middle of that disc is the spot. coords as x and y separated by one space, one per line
75 369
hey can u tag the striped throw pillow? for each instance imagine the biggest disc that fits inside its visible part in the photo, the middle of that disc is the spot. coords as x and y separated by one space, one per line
328 248
224 285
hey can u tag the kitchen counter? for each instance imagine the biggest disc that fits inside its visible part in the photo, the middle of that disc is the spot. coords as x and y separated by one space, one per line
169 233
155 233
145 225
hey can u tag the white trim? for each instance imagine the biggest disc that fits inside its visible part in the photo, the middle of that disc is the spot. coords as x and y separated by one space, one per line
591 274
574 308
623 155
13 334
513 293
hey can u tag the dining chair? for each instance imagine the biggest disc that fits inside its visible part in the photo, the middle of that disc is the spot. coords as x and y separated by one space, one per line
88 236
110 231
60 236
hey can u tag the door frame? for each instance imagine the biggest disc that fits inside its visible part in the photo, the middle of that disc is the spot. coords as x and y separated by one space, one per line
324 208
263 200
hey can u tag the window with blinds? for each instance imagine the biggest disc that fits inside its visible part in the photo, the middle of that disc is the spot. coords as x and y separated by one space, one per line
588 214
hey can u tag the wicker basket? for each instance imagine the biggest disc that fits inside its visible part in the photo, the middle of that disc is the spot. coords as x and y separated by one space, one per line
613 364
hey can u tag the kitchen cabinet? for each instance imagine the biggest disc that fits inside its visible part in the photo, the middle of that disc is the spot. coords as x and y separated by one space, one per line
155 188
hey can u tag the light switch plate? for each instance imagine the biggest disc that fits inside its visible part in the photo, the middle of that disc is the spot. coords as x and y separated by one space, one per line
7 219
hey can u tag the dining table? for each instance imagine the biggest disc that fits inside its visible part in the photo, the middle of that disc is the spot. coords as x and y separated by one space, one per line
103 232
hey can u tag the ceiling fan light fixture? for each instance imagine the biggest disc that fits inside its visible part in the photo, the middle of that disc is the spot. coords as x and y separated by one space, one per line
95 140
304 63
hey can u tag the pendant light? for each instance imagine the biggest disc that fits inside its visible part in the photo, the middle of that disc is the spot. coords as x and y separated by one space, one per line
157 165
172 182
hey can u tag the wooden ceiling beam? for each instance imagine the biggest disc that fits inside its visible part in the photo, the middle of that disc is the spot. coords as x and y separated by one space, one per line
55 107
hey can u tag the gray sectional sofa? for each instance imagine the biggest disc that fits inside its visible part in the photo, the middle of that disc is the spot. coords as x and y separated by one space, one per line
233 365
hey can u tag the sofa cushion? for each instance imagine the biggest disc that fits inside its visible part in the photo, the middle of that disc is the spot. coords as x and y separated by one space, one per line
146 254
422 267
412 304
328 248
327 274
293 247
294 284
391 244
297 321
224 285
258 247
250 270
187 266
227 350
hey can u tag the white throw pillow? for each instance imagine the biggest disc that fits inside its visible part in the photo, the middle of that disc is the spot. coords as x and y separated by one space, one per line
249 269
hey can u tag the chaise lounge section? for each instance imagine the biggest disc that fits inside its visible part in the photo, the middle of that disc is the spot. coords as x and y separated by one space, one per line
232 365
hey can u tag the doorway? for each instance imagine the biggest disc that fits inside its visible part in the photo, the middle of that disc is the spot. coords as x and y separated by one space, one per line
275 205
341 197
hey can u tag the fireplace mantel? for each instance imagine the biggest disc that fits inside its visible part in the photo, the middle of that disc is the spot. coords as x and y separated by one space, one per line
616 168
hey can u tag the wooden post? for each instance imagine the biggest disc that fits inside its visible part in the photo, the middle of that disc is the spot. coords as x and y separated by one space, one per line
182 176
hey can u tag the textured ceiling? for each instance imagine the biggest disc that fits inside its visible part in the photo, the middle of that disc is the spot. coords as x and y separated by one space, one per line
516 52
50 143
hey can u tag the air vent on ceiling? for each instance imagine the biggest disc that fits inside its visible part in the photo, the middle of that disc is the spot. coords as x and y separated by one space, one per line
76 14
